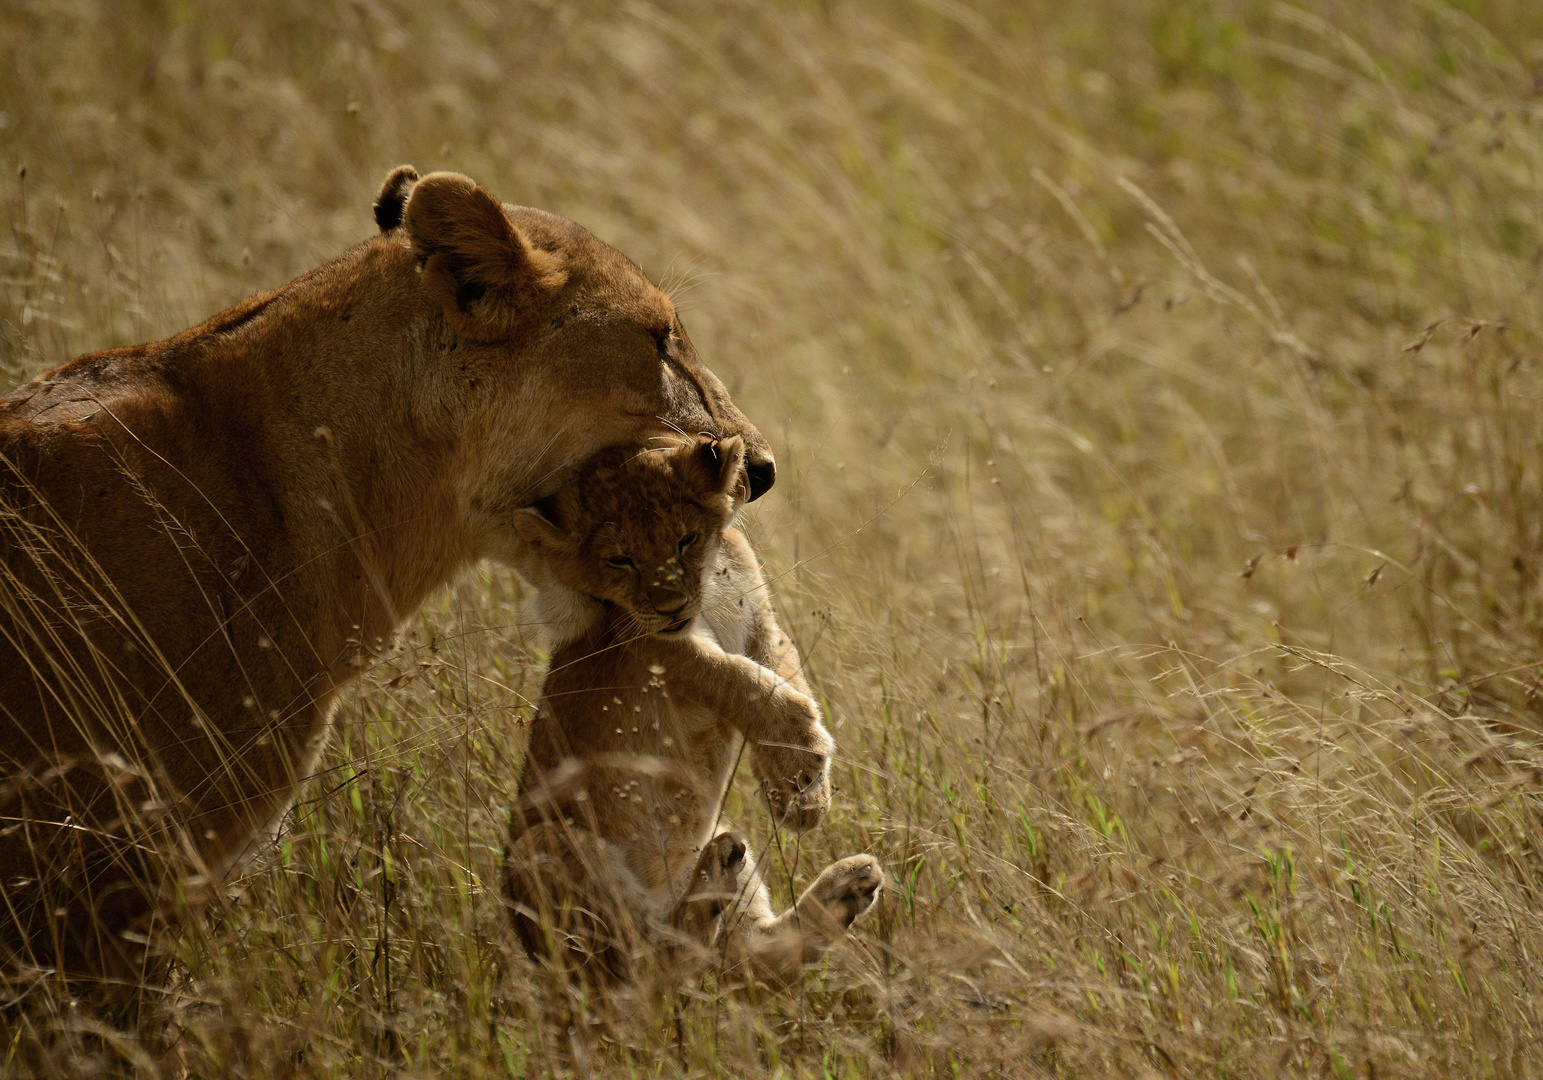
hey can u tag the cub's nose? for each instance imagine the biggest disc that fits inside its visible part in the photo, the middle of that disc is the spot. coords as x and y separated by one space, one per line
763 474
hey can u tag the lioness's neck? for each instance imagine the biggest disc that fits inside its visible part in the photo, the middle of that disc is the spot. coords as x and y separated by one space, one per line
346 362
563 611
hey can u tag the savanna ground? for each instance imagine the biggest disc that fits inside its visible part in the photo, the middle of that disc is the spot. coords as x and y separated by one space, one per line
1155 388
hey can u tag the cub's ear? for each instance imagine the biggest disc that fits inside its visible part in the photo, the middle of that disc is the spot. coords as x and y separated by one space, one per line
718 466
537 530
478 266
392 199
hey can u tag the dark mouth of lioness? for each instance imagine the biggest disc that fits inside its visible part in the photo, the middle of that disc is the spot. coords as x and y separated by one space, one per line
675 627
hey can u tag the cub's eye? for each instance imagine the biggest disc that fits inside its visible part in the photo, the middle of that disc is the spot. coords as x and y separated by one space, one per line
686 541
662 343
621 562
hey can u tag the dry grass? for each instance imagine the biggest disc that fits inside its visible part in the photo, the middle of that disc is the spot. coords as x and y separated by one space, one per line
1155 387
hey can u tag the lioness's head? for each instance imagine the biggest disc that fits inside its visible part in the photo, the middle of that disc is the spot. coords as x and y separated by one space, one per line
600 353
638 526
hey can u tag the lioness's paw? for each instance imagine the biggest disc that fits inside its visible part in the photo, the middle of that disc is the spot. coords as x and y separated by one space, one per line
847 888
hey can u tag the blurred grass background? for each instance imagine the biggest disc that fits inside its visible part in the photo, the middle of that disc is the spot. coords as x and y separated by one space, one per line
1155 389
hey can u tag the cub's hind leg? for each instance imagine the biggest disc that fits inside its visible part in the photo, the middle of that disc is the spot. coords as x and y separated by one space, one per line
843 891
773 949
573 903
713 887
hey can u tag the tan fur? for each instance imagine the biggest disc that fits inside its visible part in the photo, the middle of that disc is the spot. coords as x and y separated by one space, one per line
203 538
617 850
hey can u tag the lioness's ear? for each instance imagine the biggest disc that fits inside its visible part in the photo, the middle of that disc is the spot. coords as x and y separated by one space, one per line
392 199
719 465
536 529
475 262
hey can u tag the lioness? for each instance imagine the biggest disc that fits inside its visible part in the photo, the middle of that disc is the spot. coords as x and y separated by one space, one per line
668 649
203 539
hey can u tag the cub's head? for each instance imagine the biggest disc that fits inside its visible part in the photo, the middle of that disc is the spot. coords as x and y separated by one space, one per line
639 526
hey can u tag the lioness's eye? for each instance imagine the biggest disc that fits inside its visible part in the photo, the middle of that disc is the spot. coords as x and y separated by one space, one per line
621 562
687 540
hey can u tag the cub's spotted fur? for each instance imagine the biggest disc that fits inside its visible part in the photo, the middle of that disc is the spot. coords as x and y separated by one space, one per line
668 652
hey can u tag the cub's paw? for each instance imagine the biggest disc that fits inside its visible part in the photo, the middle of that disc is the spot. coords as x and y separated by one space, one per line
713 887
720 864
714 883
789 711
800 804
796 782
846 888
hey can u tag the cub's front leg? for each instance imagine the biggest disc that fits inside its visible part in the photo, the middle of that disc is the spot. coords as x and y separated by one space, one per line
794 770
790 755
789 746
793 758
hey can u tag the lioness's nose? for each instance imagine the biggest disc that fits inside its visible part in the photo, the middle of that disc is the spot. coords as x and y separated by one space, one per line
763 474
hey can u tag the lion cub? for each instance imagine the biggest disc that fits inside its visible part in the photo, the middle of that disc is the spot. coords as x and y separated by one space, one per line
667 652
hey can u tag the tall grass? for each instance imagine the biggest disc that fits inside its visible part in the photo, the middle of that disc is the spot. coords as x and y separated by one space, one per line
1160 506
